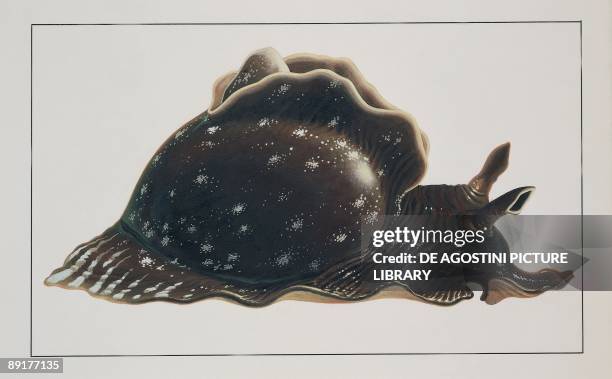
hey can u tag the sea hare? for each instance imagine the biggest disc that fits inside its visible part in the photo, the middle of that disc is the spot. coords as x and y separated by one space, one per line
264 194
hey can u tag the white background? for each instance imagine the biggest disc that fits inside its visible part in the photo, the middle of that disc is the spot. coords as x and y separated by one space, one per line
106 99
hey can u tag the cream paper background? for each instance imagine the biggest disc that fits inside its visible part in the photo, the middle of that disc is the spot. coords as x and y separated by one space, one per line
106 97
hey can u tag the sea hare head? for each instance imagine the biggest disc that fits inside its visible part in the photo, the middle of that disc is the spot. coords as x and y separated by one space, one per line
468 207
266 191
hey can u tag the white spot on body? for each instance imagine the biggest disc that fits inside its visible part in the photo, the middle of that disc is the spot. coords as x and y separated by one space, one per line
207 144
300 133
296 224
64 274
154 288
274 160
341 143
146 262
283 260
59 276
284 88
311 164
371 217
165 240
119 295
122 293
333 122
314 265
238 208
166 291
213 129
263 122
359 202
137 281
111 287
201 179
243 77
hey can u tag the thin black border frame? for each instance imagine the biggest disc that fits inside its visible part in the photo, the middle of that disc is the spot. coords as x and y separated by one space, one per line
32 25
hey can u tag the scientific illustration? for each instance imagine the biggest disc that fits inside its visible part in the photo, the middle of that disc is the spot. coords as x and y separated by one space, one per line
264 195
